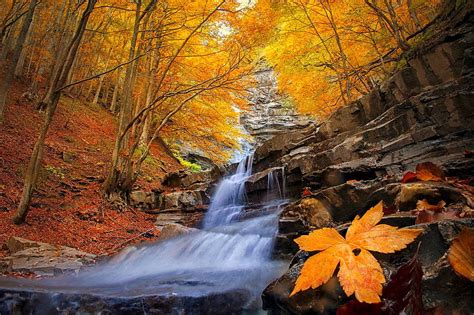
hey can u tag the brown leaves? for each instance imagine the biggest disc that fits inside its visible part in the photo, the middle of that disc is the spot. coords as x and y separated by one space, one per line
429 172
426 212
461 254
425 172
359 272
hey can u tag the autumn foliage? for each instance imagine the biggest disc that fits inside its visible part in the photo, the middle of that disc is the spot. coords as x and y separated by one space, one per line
359 272
329 53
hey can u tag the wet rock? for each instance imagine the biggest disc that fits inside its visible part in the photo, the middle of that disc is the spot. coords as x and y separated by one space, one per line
433 192
15 301
42 258
258 183
172 230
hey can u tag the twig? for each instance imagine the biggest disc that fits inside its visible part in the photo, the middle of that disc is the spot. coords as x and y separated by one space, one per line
130 239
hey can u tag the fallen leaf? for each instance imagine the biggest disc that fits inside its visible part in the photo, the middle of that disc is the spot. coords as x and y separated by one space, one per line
402 295
468 153
359 272
461 253
427 213
429 172
409 177
425 205
391 209
307 192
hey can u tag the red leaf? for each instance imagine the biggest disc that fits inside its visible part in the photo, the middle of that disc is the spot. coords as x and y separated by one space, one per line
468 153
307 192
409 177
391 209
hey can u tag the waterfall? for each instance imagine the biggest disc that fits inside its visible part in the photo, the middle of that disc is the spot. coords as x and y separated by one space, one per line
229 198
229 253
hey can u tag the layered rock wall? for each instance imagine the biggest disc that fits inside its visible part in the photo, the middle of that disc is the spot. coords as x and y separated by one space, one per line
269 114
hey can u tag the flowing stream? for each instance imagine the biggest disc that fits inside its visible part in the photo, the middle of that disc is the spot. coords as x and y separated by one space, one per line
230 253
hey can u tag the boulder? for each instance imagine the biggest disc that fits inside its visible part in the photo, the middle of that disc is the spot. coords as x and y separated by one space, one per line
185 200
172 230
43 259
15 244
311 211
146 201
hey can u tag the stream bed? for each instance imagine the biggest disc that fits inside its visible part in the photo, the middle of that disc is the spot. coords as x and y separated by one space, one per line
221 269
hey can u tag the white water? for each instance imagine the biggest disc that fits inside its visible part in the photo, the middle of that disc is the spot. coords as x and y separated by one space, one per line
229 199
226 255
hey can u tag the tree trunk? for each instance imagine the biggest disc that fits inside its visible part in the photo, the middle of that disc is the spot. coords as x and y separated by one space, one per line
97 92
36 158
114 182
113 104
5 84
7 42
34 166
24 52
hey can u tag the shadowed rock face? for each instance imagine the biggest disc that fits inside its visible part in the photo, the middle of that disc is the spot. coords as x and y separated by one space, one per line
423 112
357 157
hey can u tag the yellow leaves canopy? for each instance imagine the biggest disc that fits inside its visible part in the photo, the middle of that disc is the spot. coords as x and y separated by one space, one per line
359 274
323 51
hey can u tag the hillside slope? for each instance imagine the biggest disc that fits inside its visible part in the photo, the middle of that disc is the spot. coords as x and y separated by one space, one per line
67 207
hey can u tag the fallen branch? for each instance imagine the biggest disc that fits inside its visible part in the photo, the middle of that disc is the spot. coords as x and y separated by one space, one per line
114 249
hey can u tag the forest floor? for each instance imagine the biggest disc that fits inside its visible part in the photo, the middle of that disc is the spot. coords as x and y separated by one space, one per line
68 207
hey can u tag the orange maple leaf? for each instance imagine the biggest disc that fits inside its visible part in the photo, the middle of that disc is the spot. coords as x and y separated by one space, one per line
461 253
359 274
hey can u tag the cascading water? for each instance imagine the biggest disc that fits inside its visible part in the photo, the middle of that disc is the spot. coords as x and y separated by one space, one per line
229 198
228 254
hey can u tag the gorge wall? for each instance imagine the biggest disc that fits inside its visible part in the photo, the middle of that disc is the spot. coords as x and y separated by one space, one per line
357 157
